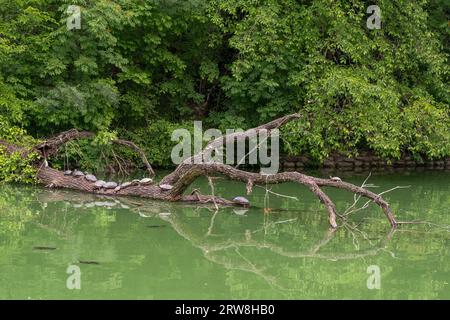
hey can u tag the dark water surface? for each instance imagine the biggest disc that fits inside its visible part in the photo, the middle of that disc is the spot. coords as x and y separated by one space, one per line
140 249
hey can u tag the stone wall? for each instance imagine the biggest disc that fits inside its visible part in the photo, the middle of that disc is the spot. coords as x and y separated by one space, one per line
365 160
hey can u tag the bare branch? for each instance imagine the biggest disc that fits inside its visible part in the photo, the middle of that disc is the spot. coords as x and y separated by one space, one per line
134 147
51 146
177 182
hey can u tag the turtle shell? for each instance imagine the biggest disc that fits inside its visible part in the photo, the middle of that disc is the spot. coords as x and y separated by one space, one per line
110 185
166 186
99 184
78 173
90 178
125 184
241 200
146 181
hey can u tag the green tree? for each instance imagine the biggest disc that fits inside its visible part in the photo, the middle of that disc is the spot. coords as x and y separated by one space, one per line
134 65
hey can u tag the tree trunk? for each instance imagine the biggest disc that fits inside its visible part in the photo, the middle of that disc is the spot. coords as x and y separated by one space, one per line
188 171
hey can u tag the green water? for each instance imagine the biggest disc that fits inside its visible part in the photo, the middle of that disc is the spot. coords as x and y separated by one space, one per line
154 250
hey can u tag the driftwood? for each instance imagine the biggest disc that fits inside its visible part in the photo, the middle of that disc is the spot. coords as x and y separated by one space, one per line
189 170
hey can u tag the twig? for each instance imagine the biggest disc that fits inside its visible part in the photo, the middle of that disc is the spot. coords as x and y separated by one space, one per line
213 193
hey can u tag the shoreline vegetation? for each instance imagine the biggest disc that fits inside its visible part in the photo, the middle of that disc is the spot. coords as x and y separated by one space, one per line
140 70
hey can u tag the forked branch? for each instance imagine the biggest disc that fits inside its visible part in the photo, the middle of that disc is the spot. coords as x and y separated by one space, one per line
174 185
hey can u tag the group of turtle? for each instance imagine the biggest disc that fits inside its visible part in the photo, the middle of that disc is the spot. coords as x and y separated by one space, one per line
100 184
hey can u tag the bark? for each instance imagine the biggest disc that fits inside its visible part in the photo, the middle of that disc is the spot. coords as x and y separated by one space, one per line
191 169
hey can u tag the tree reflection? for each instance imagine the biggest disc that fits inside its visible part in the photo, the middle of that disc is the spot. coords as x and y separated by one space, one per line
295 256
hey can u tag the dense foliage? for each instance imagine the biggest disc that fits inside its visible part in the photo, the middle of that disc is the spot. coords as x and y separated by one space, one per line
141 68
16 166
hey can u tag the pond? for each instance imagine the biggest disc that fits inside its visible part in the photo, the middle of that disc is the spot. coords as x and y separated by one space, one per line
280 248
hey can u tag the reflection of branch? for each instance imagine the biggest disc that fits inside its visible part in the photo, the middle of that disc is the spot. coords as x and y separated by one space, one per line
217 252
290 254
249 267
213 252
330 233
211 225
430 224
352 229
312 253
272 281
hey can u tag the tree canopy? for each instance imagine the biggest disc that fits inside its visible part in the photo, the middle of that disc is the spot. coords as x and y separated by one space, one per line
140 68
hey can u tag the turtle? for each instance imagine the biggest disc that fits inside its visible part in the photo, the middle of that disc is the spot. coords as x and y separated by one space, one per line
90 177
78 173
99 184
146 181
110 185
241 200
166 186
68 172
125 184
135 181
337 179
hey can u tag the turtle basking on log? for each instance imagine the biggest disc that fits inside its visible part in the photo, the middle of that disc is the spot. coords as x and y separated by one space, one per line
90 177
242 201
125 184
146 181
78 173
174 185
99 184
110 185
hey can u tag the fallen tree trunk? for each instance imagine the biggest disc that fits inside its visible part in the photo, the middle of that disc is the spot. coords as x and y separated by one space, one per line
191 169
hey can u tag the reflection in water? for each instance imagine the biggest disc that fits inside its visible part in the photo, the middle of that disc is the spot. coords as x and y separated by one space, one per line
252 253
